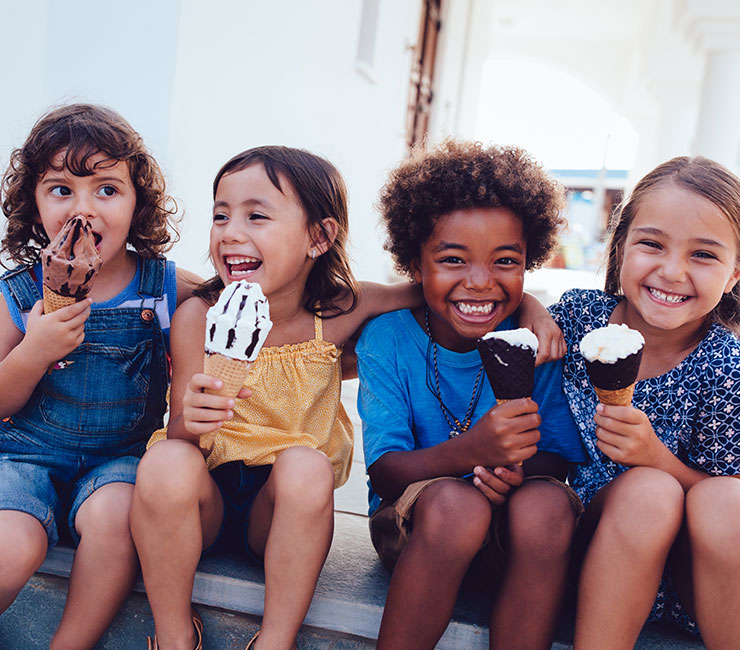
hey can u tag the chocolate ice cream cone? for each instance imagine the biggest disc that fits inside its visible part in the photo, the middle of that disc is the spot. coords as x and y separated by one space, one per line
54 301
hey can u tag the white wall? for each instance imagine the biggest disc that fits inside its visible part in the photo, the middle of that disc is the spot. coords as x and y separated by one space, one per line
203 81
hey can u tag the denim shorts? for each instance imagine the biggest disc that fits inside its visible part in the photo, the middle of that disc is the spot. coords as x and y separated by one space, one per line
239 485
49 485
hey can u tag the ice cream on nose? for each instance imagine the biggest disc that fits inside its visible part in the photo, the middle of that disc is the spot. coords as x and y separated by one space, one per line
69 264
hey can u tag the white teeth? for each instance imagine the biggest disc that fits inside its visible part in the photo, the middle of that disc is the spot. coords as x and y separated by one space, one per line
667 297
478 309
240 260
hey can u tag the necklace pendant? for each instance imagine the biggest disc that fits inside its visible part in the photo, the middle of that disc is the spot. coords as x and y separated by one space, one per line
454 433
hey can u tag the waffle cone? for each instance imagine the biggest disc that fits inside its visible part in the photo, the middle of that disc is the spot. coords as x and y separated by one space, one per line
232 372
54 301
618 397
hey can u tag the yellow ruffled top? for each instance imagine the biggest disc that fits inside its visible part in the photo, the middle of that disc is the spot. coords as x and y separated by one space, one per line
295 402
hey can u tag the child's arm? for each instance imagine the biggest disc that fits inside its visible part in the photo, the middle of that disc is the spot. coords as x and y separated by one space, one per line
496 484
534 316
25 358
505 435
193 413
626 436
186 284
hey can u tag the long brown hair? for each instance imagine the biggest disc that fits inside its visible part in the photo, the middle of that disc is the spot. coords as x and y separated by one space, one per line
697 174
322 193
80 132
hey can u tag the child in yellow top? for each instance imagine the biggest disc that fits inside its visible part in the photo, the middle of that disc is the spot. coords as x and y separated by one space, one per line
280 220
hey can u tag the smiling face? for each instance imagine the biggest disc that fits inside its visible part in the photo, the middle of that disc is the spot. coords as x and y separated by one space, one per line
472 272
260 233
680 255
107 198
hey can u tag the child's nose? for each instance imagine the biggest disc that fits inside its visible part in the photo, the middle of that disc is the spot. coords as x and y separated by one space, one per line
83 205
479 277
232 232
674 268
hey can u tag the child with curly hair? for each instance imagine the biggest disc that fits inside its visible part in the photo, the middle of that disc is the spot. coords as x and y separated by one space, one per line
82 387
465 221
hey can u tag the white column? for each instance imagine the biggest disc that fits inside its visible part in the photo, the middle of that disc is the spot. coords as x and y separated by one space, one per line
718 126
714 28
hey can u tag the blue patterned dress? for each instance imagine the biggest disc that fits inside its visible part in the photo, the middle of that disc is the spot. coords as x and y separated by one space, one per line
694 409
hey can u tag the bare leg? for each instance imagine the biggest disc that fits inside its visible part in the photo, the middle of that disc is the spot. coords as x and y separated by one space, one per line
451 521
541 523
637 518
104 568
292 523
23 544
712 508
176 512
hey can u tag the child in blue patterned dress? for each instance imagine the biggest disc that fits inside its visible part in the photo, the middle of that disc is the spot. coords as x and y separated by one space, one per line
83 387
658 486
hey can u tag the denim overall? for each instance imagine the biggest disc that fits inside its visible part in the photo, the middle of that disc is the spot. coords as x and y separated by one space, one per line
87 422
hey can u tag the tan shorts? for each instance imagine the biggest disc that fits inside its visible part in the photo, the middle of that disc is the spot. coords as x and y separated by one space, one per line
392 523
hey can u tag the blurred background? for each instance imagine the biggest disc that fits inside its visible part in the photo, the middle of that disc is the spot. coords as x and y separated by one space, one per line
600 91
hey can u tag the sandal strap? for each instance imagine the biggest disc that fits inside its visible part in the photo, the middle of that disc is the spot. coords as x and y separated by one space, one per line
253 639
197 624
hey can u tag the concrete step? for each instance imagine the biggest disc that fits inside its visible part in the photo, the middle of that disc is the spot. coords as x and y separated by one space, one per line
229 593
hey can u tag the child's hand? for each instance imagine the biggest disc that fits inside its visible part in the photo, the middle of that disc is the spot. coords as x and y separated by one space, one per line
496 485
204 413
507 434
534 316
52 336
626 436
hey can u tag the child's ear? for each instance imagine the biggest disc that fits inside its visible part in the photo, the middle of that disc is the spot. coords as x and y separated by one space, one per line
733 280
323 236
415 271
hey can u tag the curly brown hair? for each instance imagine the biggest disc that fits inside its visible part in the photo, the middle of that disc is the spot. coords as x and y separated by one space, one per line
704 177
80 132
321 190
458 175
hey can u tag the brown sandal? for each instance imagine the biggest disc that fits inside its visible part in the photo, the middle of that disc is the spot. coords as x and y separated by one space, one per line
197 624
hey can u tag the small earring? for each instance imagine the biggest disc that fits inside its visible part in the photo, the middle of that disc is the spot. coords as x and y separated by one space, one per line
313 253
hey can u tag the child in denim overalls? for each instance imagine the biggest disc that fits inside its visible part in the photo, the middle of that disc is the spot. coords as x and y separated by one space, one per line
83 387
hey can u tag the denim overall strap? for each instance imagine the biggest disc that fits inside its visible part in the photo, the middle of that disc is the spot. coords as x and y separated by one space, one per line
151 281
22 287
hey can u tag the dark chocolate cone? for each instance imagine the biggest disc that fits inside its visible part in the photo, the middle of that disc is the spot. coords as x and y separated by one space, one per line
509 368
614 376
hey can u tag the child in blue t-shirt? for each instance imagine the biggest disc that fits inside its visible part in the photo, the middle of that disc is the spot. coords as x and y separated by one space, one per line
465 222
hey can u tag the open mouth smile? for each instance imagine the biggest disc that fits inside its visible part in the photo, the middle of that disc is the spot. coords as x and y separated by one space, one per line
241 266
479 309
671 298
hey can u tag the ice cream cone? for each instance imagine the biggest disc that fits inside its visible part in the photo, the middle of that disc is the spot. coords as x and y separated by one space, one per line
508 358
612 356
232 372
54 301
618 397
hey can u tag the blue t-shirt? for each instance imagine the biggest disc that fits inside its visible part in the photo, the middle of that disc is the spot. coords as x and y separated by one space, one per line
399 412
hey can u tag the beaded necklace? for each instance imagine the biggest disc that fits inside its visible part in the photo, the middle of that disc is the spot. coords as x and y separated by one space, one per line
456 427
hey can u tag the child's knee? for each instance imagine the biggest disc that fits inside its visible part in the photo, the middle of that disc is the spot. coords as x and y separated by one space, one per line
23 543
453 514
711 509
646 506
304 475
541 519
106 512
168 473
